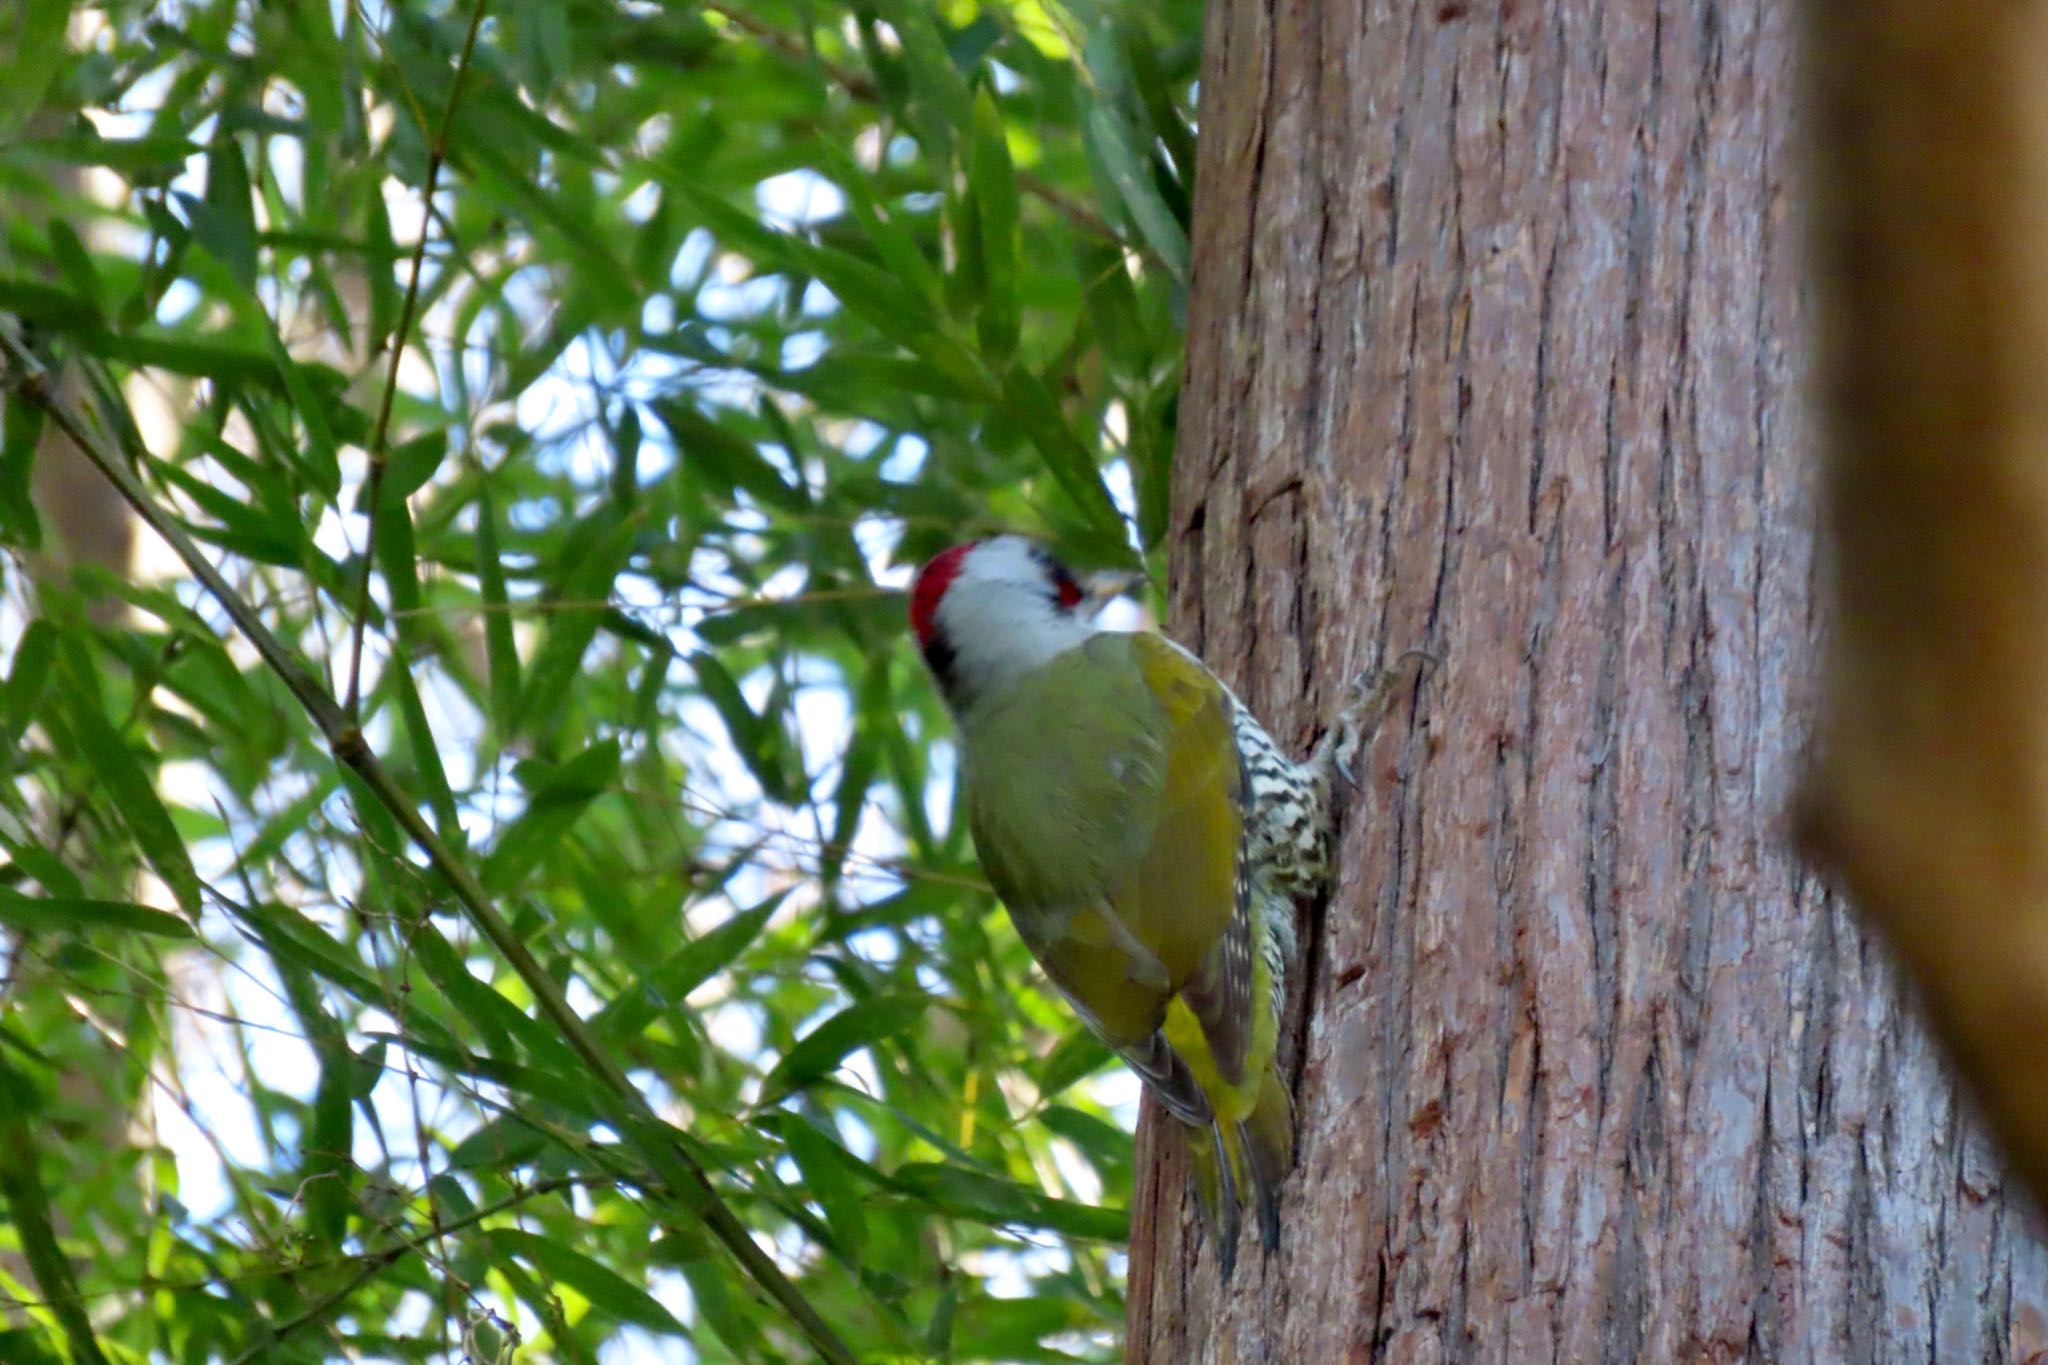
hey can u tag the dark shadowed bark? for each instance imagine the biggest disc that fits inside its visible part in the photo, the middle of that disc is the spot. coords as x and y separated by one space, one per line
1496 349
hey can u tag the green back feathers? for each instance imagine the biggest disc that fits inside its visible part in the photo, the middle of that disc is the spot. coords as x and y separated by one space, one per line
1102 797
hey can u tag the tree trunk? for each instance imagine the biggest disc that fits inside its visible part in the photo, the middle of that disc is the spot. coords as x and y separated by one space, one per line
1496 349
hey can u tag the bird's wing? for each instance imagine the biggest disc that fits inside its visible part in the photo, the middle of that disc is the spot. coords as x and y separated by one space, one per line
1149 768
1179 896
1187 897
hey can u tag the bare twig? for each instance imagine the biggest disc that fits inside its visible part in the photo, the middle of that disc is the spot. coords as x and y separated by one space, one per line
685 1182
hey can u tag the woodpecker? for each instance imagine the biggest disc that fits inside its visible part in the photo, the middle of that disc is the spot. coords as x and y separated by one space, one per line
1149 840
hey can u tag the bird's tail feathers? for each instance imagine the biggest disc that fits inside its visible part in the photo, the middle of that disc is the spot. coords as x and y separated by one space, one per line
1213 1153
1267 1139
1244 1161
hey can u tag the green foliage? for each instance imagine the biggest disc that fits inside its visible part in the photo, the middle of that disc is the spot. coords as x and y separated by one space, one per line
608 458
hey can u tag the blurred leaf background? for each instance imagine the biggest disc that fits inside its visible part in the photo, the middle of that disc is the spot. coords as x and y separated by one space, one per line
604 368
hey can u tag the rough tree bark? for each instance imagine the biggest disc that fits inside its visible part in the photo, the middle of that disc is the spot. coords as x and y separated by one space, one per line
1496 349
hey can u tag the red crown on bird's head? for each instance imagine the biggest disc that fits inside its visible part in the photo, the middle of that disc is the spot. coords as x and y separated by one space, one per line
928 589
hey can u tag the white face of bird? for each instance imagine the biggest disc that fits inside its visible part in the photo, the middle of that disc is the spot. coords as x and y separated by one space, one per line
992 610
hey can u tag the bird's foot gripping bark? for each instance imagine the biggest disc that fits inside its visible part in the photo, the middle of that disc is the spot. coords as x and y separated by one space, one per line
1365 706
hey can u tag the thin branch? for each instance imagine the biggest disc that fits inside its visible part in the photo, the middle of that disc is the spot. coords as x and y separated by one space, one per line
450 1292
687 1183
437 154
633 609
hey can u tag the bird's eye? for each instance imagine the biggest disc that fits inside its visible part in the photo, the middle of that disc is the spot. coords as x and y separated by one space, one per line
1069 591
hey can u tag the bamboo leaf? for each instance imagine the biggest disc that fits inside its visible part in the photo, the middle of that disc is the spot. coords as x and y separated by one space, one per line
224 221
74 912
753 736
972 1194
819 1052
1102 1142
328 1173
584 590
379 266
829 1178
1112 142
1069 461
23 694
1078 1054
77 265
132 794
666 986
607 1290
501 653
994 183
21 430
28 1211
500 1145
557 803
138 157
710 451
942 104
426 754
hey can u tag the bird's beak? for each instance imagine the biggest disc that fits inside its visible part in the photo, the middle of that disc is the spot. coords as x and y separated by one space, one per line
1104 586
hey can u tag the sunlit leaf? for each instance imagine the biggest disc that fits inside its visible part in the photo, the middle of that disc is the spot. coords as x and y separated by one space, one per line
607 1290
557 801
820 1051
34 653
70 912
133 795
1111 139
666 985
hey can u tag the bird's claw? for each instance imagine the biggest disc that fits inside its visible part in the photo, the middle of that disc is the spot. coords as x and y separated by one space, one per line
1345 753
1366 704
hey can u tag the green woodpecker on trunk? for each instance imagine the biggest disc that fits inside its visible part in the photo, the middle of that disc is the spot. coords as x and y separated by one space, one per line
1150 841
